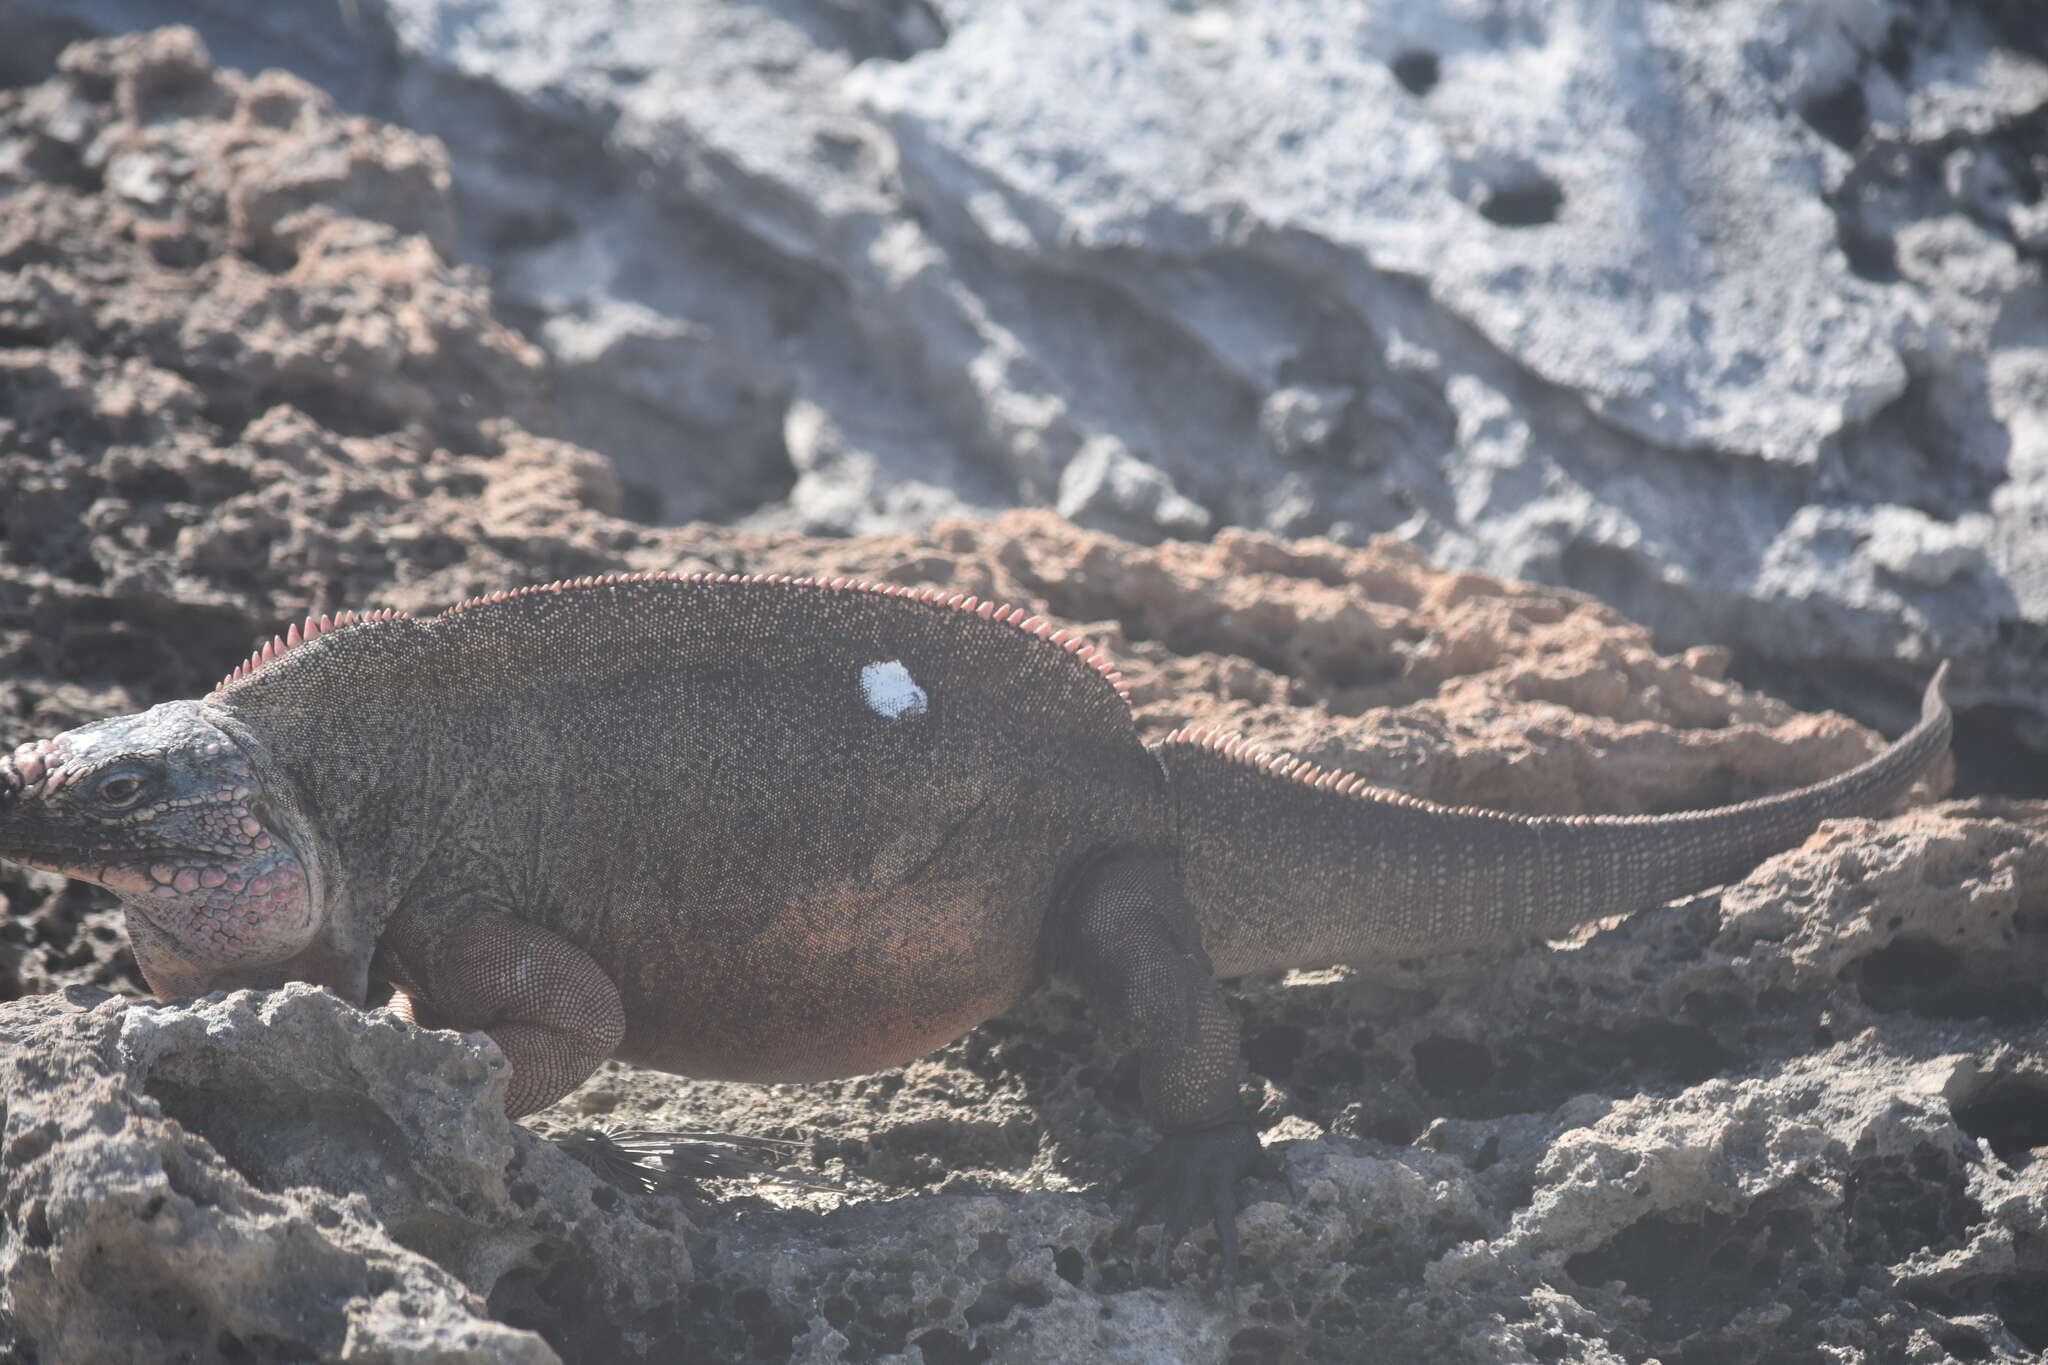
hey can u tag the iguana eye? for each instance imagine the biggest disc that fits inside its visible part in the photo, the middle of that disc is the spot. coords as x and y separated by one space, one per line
119 791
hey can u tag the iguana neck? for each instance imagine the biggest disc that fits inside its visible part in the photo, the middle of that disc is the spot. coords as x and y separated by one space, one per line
349 922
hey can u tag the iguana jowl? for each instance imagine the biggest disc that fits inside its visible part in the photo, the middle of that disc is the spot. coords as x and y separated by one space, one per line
787 829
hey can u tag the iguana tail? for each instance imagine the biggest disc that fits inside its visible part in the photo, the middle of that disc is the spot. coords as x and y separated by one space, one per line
1288 865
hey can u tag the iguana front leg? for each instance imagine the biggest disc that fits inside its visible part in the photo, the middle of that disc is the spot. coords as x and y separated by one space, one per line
1130 939
550 1009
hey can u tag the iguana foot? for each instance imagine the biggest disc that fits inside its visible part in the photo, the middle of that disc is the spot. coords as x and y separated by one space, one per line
1193 1180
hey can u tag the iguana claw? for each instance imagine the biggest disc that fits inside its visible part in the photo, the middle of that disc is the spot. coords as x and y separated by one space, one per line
675 1161
1193 1180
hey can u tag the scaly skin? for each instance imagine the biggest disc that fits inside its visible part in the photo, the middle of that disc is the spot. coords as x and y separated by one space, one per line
164 811
788 830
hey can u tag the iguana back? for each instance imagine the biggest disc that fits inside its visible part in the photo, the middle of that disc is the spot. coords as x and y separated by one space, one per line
807 830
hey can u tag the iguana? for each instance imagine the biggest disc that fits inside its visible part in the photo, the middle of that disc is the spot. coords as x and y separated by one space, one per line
786 829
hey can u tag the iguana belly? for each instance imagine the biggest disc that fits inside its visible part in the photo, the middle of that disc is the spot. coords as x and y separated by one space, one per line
837 984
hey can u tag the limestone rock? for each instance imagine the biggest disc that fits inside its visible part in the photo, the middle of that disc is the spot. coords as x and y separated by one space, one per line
245 381
1732 317
283 1177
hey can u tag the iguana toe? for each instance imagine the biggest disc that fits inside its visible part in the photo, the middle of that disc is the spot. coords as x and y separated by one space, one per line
1194 1181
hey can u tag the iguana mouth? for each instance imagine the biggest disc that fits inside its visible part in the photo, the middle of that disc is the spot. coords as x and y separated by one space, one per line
185 868
156 872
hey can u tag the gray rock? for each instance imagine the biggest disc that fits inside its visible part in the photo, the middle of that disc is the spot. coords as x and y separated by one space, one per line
1106 487
282 1177
1733 317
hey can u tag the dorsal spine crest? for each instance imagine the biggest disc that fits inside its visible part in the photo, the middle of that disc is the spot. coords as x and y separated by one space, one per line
1239 750
297 635
315 626
1245 753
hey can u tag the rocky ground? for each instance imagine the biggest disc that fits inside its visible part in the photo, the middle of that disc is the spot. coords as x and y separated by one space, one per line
1530 282
1802 1118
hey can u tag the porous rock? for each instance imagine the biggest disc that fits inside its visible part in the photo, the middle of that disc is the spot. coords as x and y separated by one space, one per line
279 1176
1806 1113
245 386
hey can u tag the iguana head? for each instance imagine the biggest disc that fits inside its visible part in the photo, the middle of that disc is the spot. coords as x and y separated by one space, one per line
165 810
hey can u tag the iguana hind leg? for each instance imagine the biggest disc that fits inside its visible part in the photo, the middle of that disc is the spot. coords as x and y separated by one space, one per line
550 1009
1129 938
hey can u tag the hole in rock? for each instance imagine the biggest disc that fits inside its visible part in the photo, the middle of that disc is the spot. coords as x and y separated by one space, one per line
640 502
261 1346
1842 115
997 1302
1928 461
2022 1304
553 1298
1872 255
1990 758
1332 1068
529 229
31 56
1525 203
1964 1345
1417 70
232 404
941 1347
891 31
1452 1066
265 1131
1699 1276
2011 1114
2017 24
1274 1051
1897 52
1893 1208
2019 145
1650 1255
1904 970
1690 1055
1335 1317
1394 1130
1917 975
1257 1345
659 487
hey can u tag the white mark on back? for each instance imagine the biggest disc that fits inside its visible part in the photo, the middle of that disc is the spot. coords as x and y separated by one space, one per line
890 690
